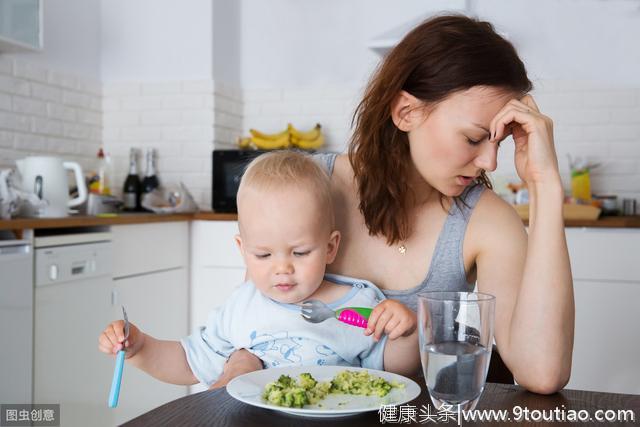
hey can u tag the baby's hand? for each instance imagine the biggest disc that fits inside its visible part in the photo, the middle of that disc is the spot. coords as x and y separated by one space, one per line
111 339
392 318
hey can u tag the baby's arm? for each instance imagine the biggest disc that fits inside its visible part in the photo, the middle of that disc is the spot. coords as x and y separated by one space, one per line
163 360
401 354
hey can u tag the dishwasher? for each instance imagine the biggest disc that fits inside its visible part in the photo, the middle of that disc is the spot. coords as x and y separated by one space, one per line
73 304
16 319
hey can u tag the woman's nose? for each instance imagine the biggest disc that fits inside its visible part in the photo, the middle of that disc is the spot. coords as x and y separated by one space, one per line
487 157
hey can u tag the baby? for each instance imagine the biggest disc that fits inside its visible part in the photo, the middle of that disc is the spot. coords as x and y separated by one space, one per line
287 238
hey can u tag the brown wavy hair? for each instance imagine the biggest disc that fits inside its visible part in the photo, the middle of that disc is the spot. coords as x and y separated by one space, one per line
441 56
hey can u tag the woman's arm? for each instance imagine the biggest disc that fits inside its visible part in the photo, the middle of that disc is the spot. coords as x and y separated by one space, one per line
240 362
534 295
402 355
531 278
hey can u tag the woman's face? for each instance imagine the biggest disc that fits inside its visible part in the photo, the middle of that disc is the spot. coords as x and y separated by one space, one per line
450 146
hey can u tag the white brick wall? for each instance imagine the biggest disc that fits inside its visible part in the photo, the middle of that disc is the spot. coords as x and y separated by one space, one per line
46 112
332 107
228 114
602 124
43 111
593 121
176 118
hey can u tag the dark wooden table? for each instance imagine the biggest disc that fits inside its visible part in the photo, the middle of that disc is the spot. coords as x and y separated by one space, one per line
218 408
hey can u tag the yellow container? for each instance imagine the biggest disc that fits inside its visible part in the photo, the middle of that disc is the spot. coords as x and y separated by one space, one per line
581 185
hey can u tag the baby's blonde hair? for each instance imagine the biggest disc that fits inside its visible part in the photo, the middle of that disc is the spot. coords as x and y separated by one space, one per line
284 169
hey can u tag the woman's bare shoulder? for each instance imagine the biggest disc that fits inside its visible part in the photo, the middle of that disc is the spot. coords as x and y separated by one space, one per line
494 220
342 177
342 167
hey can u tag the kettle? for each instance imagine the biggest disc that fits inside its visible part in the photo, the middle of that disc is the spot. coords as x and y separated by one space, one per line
47 178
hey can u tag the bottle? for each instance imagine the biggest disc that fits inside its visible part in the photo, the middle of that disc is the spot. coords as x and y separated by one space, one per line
100 182
132 185
150 181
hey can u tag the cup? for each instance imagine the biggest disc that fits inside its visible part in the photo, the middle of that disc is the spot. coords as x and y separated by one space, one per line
456 337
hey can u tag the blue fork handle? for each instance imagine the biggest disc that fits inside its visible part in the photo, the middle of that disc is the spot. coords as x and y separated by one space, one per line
117 378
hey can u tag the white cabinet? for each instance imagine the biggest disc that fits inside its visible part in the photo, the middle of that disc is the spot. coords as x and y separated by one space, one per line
145 248
151 280
211 286
606 270
72 307
606 347
20 25
216 269
145 269
156 303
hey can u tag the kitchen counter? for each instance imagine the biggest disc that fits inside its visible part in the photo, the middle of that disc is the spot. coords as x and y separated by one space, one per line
603 222
142 218
119 219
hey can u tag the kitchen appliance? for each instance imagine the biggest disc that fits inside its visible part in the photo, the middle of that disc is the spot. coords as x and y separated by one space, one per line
47 178
100 204
73 304
16 319
228 167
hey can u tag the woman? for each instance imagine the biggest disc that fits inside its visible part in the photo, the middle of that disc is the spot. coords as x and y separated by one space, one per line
415 208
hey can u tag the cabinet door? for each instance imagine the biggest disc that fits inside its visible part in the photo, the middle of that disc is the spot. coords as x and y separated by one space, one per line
606 346
604 254
157 304
145 248
20 25
68 368
213 244
211 286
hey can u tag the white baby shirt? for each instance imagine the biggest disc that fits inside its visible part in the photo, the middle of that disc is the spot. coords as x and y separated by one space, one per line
279 336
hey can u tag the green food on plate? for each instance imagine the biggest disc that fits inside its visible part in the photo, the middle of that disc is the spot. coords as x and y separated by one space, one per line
307 390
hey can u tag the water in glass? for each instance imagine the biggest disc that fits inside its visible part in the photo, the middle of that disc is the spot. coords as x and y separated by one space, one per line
456 336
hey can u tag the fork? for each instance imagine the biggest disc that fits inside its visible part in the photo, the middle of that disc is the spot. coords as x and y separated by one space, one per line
315 311
117 372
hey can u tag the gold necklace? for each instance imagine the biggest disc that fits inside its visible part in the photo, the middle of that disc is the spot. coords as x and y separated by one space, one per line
402 249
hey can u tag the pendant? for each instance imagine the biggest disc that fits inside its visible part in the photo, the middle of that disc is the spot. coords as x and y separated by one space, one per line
402 249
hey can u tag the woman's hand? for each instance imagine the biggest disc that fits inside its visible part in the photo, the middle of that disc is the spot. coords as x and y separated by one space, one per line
535 155
111 340
240 362
392 318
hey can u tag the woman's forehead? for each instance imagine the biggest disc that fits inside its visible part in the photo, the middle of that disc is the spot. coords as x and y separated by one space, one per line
478 104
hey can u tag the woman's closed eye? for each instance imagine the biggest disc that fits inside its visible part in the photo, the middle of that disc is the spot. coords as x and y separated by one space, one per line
477 142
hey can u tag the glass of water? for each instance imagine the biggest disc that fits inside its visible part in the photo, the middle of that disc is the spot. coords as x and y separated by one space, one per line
456 336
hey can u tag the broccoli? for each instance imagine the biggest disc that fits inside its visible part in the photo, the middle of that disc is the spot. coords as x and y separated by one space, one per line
307 381
291 393
361 383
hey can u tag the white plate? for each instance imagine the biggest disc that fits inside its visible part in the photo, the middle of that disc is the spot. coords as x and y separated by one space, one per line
248 388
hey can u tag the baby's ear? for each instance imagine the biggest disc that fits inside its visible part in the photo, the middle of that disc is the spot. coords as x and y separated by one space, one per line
332 246
238 240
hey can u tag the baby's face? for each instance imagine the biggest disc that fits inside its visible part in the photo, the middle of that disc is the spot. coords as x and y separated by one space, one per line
285 242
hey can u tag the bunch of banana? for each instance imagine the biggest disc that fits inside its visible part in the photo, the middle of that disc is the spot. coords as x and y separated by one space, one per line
270 141
309 140
289 137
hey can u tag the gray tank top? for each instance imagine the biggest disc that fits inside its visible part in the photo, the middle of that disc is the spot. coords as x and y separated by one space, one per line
446 272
